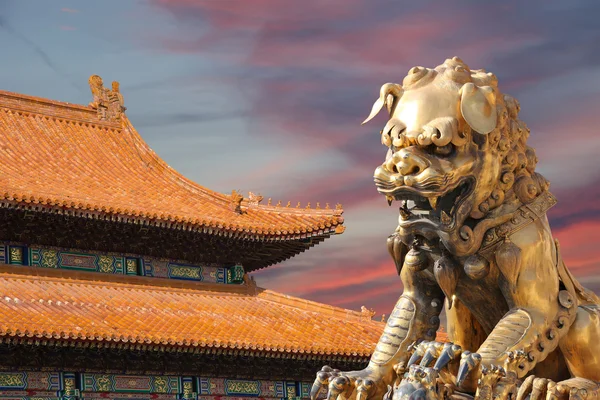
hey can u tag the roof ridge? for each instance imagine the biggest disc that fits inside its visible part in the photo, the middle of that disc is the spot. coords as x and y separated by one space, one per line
293 210
135 135
309 305
53 108
253 201
6 93
246 204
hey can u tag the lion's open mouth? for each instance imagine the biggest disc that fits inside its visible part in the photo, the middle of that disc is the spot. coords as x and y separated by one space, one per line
439 208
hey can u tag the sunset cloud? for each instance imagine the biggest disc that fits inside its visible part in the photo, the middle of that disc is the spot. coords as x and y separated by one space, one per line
268 96
315 73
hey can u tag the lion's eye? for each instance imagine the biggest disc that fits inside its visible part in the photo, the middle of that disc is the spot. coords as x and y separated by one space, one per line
443 151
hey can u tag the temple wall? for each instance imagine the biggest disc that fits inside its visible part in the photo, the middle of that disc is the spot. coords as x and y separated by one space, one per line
75 386
113 263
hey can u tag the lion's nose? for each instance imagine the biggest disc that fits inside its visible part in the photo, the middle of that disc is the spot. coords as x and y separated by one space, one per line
407 162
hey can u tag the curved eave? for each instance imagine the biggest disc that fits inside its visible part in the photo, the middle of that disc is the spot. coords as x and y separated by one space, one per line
204 226
31 339
60 158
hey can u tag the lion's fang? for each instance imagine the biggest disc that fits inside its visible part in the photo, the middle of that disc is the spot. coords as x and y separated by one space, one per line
445 218
433 202
390 199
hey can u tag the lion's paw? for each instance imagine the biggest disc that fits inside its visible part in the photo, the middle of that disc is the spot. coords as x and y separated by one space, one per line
571 389
421 383
365 383
494 384
515 363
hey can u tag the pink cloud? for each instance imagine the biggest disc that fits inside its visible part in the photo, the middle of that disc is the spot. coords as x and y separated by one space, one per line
577 204
336 275
236 13
69 10
238 17
281 38
363 274
580 247
343 282
389 291
67 28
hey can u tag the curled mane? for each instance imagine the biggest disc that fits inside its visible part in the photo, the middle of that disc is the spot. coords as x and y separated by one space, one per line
507 141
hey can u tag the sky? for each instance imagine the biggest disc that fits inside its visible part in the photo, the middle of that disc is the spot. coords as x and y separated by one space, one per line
268 96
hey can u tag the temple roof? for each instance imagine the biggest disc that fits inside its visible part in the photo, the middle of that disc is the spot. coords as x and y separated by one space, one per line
41 304
75 176
62 156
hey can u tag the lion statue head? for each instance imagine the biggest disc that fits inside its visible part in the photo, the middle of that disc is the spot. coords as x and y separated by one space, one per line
458 159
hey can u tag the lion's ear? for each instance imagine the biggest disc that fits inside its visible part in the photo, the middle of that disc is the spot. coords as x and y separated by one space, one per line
478 107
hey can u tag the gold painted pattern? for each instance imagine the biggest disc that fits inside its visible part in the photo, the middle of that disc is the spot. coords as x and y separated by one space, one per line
49 259
291 392
131 266
243 387
105 263
103 383
12 380
161 385
186 272
187 389
69 386
16 254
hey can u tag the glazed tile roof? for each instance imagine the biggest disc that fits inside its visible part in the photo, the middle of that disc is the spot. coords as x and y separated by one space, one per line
38 304
61 156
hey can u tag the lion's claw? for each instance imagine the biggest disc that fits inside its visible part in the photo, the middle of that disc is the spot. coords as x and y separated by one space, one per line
428 352
434 350
489 381
324 376
422 383
365 384
468 362
388 394
450 352
364 388
337 386
418 353
515 363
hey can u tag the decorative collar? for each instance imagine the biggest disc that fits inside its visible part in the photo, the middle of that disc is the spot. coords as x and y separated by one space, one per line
523 216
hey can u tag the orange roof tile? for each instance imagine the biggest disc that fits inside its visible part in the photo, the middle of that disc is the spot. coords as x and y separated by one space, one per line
441 337
61 156
49 304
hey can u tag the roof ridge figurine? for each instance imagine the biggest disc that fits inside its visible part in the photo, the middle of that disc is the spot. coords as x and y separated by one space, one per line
108 103
254 199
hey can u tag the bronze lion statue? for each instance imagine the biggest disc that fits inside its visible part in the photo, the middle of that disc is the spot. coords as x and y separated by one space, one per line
472 235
